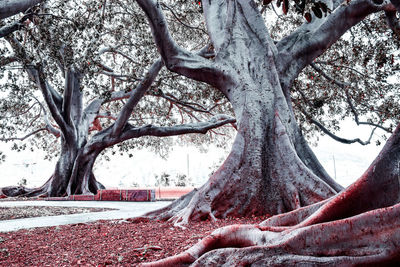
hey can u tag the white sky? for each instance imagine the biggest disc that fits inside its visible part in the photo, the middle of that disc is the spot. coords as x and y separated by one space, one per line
350 160
122 171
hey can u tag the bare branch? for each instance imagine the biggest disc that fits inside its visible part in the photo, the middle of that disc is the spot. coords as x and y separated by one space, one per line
120 76
137 94
340 139
24 137
7 60
29 124
49 126
47 95
202 127
180 21
116 51
335 137
176 59
191 105
345 87
331 63
341 84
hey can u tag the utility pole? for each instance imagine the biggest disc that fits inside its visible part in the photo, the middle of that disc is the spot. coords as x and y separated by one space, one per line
334 165
187 165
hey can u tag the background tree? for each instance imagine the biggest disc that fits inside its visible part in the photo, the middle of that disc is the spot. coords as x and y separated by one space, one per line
57 50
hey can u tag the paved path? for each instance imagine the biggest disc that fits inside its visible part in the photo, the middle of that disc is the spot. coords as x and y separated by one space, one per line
125 210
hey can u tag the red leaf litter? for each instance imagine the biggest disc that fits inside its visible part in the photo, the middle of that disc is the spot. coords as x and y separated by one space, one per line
104 243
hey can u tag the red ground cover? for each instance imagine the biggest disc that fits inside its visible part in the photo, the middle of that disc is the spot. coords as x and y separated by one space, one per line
114 243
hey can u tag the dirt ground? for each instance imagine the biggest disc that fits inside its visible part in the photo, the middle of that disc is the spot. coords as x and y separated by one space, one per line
102 243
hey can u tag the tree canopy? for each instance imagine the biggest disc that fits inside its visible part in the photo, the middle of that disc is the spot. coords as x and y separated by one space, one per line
282 76
92 77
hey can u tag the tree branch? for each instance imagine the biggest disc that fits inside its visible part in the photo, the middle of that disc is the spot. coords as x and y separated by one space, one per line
136 95
345 87
91 111
193 106
114 50
49 126
47 95
340 139
11 27
332 64
151 130
333 136
312 39
216 16
7 60
180 21
10 8
341 84
176 59
24 137
68 92
19 114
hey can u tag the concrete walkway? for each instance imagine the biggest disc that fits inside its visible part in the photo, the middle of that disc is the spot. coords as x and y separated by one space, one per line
124 210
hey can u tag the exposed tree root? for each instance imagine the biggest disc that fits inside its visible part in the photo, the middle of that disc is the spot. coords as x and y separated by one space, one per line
51 188
22 191
359 226
293 217
369 238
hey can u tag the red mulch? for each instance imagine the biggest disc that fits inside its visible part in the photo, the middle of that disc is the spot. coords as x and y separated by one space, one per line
116 243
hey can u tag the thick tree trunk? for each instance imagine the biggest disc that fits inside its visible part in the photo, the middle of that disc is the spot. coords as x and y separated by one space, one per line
73 175
264 161
358 227
82 180
270 158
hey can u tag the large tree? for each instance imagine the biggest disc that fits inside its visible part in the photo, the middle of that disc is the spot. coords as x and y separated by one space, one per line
358 226
270 157
67 83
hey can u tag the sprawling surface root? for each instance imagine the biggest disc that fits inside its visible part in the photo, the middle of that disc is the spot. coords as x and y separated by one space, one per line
22 191
358 227
293 217
170 210
369 238
52 187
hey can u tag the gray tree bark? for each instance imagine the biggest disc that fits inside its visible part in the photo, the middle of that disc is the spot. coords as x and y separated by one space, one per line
10 8
269 157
